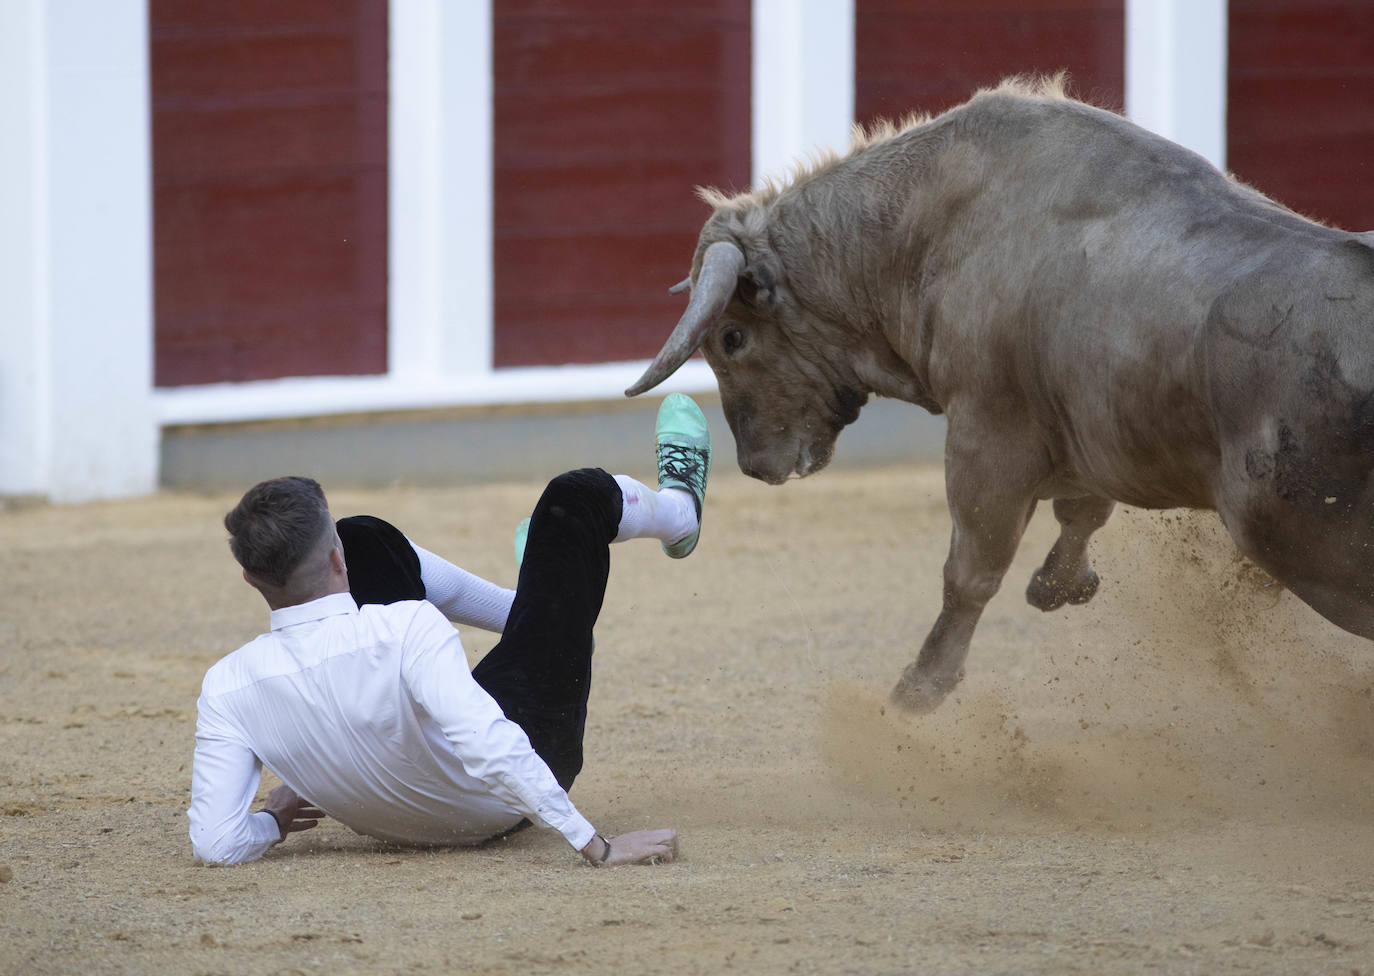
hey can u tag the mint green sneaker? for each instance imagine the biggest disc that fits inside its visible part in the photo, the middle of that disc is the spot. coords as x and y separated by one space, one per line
684 458
522 532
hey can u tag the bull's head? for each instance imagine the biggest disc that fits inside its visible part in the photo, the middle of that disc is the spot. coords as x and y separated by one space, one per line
786 386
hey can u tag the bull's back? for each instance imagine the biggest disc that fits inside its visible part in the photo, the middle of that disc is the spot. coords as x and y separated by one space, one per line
1237 378
1146 309
1072 274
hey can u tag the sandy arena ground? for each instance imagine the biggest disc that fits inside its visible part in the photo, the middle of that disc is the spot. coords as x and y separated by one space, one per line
1176 778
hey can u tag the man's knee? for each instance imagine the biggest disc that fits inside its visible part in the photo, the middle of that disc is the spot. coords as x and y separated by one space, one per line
581 481
586 493
382 565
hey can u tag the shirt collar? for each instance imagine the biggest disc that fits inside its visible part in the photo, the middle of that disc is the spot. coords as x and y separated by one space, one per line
326 606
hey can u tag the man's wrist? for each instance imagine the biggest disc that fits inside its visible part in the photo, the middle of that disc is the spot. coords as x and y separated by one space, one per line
281 824
598 849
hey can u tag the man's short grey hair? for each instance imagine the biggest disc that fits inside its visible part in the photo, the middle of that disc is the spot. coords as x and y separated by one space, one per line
276 525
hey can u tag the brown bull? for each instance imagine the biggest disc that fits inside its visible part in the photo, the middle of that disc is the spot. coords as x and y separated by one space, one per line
1100 313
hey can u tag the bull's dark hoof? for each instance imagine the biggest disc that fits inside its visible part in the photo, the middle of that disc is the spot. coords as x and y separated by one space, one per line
917 696
1046 593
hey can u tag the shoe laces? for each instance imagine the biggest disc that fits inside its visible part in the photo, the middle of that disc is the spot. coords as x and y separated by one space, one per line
686 464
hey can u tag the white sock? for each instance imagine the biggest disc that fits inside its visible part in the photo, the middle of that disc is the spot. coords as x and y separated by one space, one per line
667 515
463 597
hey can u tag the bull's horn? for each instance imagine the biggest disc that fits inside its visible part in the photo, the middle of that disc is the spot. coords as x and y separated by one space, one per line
720 268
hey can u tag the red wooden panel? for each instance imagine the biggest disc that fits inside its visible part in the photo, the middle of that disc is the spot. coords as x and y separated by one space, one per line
608 114
1300 105
269 188
930 55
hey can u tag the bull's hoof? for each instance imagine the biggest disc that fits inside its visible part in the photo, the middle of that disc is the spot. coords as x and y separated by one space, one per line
916 695
1047 593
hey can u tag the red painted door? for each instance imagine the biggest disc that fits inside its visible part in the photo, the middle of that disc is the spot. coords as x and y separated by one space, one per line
930 55
1300 106
608 113
269 188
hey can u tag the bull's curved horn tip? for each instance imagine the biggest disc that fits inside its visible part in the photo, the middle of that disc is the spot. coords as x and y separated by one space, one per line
644 384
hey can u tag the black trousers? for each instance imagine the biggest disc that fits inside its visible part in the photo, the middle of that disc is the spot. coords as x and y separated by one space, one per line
540 671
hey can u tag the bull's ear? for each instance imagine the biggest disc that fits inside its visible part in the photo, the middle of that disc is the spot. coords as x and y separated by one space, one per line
758 284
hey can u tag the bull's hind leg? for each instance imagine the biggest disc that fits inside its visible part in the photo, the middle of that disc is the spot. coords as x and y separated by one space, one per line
1067 576
990 502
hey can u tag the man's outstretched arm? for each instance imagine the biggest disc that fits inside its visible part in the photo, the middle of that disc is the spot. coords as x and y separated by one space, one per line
496 750
224 779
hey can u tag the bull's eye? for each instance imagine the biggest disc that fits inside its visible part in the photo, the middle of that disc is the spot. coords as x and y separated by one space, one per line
732 340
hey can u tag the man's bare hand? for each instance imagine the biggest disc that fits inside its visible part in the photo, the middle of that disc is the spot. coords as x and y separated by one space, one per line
293 814
636 847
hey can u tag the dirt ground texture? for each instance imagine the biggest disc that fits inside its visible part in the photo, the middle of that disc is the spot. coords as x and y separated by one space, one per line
1175 778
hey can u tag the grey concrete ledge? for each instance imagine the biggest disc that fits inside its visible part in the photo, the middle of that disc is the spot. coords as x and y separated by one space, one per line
473 445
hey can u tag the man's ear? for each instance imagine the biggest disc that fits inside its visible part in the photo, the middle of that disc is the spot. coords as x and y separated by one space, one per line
248 578
252 581
336 557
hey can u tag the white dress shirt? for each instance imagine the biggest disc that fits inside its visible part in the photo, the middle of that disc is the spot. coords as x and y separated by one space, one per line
374 717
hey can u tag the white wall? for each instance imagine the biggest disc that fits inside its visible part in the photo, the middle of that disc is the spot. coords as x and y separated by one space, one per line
76 418
440 311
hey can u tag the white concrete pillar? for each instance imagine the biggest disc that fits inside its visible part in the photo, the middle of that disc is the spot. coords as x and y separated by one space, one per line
76 416
24 388
1176 72
803 81
441 188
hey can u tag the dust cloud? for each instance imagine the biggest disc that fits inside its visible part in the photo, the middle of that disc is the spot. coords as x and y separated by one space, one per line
1195 688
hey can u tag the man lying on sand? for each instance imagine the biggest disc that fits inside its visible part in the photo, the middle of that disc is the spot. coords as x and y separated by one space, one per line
360 698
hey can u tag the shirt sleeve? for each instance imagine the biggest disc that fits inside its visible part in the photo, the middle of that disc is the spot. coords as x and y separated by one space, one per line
224 780
491 747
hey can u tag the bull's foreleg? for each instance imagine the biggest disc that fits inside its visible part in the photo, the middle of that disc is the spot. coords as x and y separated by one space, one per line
989 515
1067 576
